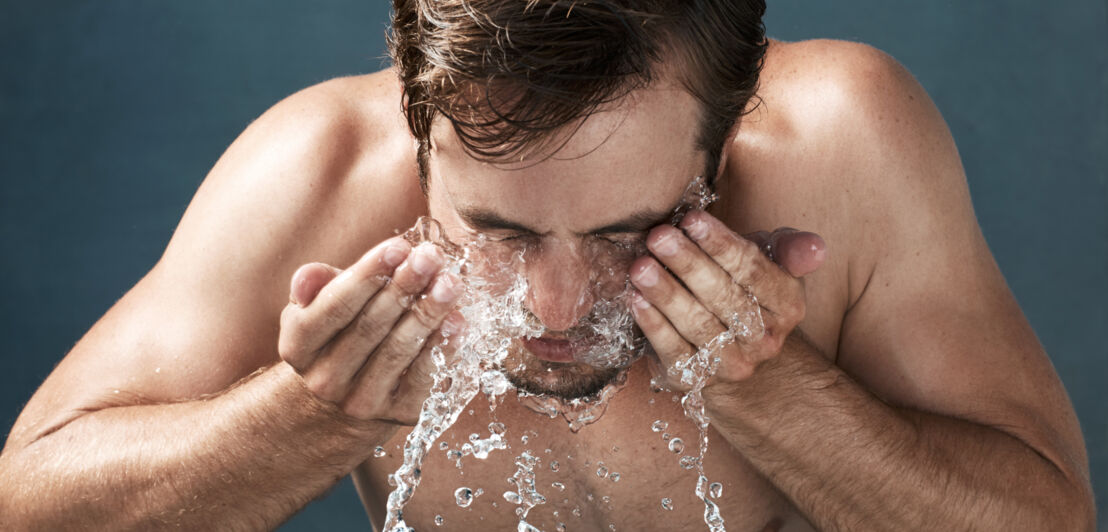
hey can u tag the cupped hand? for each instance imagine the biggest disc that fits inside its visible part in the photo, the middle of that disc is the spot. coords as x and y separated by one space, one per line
708 275
361 337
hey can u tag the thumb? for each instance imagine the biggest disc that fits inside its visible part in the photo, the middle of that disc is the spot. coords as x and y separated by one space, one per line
799 252
308 280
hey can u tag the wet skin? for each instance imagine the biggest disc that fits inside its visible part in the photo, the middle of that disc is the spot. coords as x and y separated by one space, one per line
917 397
619 177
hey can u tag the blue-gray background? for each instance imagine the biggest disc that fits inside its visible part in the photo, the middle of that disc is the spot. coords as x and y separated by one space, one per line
112 112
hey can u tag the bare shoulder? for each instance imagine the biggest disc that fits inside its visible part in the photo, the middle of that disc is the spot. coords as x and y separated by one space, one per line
838 140
847 143
322 176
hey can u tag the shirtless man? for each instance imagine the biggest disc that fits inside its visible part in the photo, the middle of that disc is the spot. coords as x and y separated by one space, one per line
917 396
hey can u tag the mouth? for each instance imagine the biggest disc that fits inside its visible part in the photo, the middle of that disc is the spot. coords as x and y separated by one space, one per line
550 349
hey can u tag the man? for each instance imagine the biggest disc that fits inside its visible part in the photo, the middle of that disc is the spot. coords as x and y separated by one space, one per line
897 385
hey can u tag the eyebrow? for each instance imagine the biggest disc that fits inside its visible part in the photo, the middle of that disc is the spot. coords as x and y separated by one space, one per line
639 222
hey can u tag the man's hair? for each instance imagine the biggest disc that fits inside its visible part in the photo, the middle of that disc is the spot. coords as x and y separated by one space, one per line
508 74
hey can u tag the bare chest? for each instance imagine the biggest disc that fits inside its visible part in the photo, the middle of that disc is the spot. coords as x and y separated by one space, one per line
623 472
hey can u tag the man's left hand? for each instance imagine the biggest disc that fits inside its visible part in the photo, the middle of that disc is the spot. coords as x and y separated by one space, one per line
709 272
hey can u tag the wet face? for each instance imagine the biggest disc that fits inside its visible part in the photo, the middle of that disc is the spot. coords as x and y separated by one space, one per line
571 224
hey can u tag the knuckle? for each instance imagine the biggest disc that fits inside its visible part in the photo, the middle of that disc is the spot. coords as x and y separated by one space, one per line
324 385
367 327
703 332
337 312
426 315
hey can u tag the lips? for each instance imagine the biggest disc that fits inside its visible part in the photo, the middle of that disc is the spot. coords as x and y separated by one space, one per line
550 349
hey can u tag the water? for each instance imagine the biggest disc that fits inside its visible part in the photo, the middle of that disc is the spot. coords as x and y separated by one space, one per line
576 412
492 306
695 372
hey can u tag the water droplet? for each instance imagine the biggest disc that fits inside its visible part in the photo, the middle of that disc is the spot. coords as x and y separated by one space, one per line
496 427
379 452
561 527
615 476
659 426
667 504
474 436
512 497
589 497
157 370
463 496
558 486
443 445
576 512
523 439
602 470
392 480
438 520
665 436
554 465
715 489
676 445
606 499
688 462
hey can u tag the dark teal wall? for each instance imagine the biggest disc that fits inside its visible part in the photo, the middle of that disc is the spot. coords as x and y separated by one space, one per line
111 113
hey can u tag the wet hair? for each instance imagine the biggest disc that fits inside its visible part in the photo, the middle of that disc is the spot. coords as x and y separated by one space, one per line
510 74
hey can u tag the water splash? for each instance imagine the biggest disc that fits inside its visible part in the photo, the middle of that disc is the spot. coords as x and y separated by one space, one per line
746 323
491 306
525 496
577 412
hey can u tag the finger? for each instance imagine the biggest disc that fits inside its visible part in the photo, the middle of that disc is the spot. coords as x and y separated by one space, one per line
334 370
308 280
686 315
707 281
306 329
799 252
761 238
394 356
668 345
776 290
415 385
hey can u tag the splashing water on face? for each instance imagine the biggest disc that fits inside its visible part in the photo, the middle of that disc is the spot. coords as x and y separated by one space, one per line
490 308
695 371
492 305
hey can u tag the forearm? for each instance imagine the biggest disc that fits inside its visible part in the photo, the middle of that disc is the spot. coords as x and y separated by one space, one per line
244 460
851 462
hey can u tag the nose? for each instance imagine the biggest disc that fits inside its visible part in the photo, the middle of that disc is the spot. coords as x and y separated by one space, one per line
559 284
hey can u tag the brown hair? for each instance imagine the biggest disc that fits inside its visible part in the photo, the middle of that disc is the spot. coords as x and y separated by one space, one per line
508 74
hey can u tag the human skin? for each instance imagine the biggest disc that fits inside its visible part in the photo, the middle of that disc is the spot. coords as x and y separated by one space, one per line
917 396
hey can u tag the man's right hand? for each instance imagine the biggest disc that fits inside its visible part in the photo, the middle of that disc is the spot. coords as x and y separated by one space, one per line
361 337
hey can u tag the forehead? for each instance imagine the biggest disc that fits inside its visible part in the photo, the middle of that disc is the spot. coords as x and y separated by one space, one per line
639 154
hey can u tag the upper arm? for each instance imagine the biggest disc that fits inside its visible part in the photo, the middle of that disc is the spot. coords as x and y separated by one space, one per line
934 326
207 314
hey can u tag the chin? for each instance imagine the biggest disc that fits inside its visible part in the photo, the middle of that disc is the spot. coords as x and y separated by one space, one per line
565 380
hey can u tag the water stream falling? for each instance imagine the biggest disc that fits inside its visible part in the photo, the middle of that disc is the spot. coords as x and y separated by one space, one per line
492 304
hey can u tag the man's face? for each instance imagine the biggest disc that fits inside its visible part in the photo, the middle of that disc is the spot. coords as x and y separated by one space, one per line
573 222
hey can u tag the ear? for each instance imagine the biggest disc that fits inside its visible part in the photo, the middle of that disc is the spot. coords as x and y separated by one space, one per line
726 151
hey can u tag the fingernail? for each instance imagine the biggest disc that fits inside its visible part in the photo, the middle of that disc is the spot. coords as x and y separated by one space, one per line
696 229
665 246
647 276
444 290
422 263
639 302
394 255
453 324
